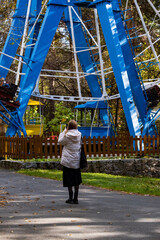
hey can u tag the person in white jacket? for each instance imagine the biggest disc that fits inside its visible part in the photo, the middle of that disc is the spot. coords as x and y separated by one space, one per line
70 138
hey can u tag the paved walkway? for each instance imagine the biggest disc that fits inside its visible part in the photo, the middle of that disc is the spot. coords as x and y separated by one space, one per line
35 208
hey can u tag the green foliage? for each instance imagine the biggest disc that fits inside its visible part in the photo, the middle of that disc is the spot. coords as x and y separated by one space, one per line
140 185
62 115
32 113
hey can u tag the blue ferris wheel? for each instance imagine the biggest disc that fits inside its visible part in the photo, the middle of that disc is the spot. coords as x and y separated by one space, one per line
32 30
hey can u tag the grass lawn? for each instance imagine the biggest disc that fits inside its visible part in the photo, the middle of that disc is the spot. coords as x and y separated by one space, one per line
139 185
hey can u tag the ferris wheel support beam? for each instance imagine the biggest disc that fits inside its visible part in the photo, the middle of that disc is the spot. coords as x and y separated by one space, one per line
74 48
23 41
111 35
156 11
147 32
85 59
54 12
100 53
16 28
31 38
37 18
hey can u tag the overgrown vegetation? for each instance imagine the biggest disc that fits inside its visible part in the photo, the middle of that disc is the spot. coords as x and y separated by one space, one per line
62 116
138 185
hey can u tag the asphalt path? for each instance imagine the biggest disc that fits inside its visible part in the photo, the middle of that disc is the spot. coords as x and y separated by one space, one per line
35 208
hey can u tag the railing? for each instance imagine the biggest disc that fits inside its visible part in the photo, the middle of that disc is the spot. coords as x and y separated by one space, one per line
42 147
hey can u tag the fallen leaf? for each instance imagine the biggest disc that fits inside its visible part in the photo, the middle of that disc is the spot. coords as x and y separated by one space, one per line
73 220
35 213
110 223
36 199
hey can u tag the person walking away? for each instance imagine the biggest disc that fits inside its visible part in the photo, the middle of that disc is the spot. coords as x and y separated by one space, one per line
70 138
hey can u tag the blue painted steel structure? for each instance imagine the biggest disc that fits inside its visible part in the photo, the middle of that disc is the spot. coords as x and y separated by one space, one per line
14 37
85 58
118 47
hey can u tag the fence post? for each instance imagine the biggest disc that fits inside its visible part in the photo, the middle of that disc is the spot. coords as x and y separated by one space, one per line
25 147
50 148
94 147
45 148
104 149
153 145
136 146
140 143
89 146
145 145
108 146
117 141
113 146
31 147
99 146
158 145
85 145
127 145
56 148
41 147
149 145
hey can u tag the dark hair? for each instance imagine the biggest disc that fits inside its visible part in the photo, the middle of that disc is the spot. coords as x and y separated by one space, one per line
72 125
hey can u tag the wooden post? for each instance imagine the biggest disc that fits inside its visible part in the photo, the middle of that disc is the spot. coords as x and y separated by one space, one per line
89 146
99 146
127 145
25 147
145 145
132 150
104 146
45 148
140 143
149 145
108 146
94 146
56 148
153 145
85 145
31 147
117 140
50 147
158 151
136 145
113 146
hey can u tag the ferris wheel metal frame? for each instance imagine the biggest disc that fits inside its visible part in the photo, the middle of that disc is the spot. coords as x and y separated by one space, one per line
30 28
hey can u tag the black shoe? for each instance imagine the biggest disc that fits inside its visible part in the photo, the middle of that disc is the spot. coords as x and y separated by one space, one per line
70 201
75 201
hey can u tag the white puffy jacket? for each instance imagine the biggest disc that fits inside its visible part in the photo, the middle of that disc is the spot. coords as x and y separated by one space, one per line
71 150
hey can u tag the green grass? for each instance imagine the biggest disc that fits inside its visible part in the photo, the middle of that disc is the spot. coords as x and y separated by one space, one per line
37 160
138 185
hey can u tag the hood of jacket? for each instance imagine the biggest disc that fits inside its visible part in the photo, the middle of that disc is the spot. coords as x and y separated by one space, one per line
73 135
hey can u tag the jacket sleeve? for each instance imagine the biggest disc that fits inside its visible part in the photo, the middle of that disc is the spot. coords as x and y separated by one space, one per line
62 138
